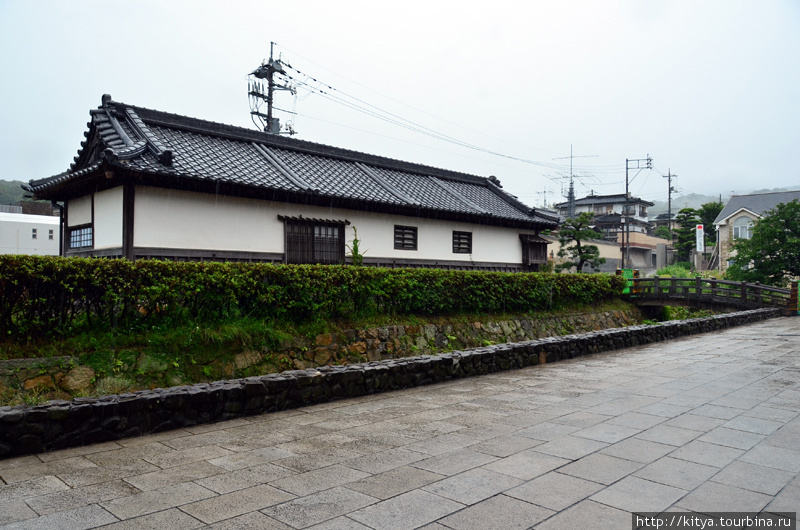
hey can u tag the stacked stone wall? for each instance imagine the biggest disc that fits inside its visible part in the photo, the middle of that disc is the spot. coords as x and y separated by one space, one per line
61 424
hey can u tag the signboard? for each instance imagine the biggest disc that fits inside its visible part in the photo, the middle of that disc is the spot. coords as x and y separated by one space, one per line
700 239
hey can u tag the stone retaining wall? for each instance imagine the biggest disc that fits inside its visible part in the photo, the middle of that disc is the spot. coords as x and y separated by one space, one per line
64 377
60 424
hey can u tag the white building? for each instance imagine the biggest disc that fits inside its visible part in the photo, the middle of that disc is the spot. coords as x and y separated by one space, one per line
151 184
29 234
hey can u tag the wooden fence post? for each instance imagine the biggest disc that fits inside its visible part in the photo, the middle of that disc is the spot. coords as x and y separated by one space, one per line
698 288
794 307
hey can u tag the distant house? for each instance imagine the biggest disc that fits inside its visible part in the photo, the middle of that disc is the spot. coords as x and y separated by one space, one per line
736 220
666 219
608 213
28 234
149 184
610 221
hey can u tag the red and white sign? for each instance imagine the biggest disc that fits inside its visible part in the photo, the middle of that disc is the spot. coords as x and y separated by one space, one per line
701 247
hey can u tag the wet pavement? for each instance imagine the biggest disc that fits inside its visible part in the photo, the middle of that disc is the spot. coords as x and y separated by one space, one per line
705 423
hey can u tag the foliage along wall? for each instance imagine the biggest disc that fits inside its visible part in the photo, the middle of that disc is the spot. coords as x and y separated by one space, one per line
52 296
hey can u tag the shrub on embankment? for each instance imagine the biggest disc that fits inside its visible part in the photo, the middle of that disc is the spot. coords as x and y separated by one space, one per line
53 297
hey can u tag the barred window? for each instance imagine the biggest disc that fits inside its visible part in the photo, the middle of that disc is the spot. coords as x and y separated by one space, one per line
314 241
405 237
81 237
462 242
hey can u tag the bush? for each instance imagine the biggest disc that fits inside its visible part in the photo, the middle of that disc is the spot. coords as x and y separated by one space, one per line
676 271
58 297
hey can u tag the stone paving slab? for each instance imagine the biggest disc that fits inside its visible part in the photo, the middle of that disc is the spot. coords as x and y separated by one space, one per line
709 422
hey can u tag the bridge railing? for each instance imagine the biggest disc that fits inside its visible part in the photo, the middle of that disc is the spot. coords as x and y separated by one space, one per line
710 290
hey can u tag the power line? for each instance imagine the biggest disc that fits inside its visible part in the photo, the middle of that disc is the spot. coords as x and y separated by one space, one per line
338 74
354 103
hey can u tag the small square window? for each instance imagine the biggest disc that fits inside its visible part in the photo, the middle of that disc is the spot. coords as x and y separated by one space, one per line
462 242
405 237
50 234
33 233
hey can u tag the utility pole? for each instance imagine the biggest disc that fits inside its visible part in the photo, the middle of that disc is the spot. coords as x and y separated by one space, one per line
669 176
648 165
256 91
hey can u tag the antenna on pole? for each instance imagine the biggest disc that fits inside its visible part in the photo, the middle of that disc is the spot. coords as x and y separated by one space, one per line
572 177
260 95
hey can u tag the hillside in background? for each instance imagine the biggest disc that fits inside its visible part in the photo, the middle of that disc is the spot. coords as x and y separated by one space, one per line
695 200
11 192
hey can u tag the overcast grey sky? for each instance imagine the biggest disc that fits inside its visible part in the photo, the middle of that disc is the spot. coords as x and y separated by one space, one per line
710 89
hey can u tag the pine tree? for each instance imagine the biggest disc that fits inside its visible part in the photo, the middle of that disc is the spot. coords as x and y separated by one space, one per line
571 237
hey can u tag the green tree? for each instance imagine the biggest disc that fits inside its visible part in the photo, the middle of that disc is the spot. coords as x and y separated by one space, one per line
707 213
772 254
685 235
662 232
571 237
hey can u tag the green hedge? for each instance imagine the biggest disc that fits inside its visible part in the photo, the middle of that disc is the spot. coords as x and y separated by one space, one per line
52 296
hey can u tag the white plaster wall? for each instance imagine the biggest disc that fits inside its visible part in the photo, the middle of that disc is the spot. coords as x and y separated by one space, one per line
108 218
187 220
79 211
16 234
434 239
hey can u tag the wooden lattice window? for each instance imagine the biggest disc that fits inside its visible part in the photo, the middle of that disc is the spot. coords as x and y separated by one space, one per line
462 242
314 241
405 237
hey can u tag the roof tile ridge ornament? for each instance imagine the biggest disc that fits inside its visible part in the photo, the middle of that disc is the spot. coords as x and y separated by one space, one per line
154 145
385 185
110 112
106 120
285 170
458 195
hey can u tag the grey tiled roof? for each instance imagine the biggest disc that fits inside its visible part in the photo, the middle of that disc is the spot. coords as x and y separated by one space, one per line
758 203
169 148
605 199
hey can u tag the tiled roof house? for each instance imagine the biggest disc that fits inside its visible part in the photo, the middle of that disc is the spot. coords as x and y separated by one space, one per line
736 219
149 184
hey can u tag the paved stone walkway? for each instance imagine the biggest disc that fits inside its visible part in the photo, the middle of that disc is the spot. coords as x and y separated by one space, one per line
706 423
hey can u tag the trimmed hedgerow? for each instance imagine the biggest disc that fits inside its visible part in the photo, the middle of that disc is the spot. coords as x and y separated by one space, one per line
53 296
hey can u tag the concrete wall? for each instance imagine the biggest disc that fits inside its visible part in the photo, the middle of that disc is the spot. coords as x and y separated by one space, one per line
17 234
